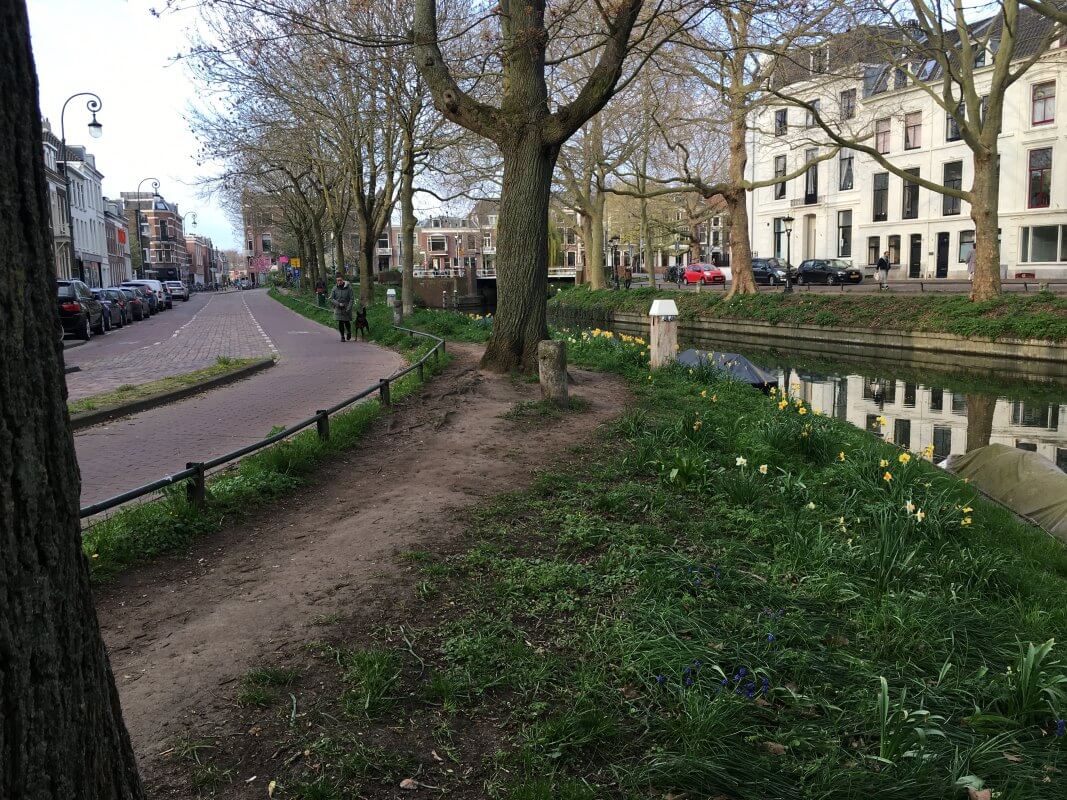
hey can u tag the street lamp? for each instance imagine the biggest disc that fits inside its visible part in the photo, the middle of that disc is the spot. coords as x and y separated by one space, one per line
140 223
787 225
96 130
614 242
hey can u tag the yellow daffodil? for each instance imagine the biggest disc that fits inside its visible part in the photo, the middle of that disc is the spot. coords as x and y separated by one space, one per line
782 405
714 398
817 413
909 507
841 523
887 477
697 425
804 433
966 521
883 463
802 411
882 421
920 516
841 456
904 458
811 506
741 461
763 469
703 392
774 391
967 509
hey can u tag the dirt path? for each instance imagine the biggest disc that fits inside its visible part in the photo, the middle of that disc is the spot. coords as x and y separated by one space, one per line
182 631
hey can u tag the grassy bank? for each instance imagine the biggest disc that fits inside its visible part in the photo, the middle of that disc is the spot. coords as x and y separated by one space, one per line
726 596
143 531
1024 316
128 392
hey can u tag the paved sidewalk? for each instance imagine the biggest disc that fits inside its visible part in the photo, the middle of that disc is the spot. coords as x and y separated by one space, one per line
316 369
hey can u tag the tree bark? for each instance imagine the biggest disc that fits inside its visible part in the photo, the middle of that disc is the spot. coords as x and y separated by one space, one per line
320 247
744 282
980 410
61 729
595 246
522 254
407 230
339 246
368 240
985 206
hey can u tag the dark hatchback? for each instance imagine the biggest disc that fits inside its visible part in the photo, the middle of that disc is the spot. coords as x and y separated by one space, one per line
81 314
828 271
768 271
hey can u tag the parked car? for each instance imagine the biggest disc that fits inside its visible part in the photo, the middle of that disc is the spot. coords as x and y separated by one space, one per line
119 296
703 274
769 271
114 310
828 271
153 285
148 297
81 314
177 289
136 304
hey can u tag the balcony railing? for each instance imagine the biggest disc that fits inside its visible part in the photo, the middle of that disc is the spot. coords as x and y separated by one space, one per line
807 200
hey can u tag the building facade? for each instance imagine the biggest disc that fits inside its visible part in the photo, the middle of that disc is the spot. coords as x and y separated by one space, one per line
850 207
57 204
204 264
90 263
117 236
160 236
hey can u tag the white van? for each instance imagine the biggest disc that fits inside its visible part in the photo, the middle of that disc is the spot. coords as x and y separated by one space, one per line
162 295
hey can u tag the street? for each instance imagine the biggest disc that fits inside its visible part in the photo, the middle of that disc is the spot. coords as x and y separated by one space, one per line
315 370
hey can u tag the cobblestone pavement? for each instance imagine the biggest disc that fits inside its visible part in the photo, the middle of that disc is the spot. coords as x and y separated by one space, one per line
315 369
188 337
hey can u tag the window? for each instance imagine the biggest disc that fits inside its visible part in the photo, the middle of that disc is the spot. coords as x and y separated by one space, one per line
909 397
966 245
1043 103
1035 415
779 172
873 243
163 233
959 404
913 130
874 426
1041 243
809 119
571 258
811 178
900 78
266 242
881 135
487 241
1040 177
952 178
910 205
979 55
492 220
844 234
881 196
438 244
779 237
845 169
383 241
781 122
937 399
902 433
952 127
848 104
942 442
894 250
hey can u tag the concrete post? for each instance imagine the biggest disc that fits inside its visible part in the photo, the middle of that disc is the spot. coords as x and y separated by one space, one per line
552 371
398 312
663 332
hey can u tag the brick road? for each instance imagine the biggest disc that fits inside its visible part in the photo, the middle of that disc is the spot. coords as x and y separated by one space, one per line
189 337
315 369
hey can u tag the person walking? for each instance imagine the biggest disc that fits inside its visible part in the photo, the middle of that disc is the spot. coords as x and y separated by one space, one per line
970 264
882 267
627 276
341 298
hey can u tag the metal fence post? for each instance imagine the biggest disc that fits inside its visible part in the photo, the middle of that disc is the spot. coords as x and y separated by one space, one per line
422 373
323 425
383 392
196 490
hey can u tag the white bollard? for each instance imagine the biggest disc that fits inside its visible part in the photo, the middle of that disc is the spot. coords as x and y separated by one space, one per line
390 298
663 332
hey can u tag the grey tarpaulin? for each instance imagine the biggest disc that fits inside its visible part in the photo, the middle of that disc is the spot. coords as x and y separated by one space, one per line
1027 483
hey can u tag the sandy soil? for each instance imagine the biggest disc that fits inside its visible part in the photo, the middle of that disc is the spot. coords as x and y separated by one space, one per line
182 631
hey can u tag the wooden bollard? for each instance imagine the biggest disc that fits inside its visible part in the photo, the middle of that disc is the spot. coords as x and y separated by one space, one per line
663 332
552 371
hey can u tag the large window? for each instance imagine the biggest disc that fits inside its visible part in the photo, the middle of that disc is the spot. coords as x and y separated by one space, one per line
873 243
913 130
811 178
1044 243
1040 184
781 122
952 178
779 237
881 197
1043 103
779 173
438 244
845 169
966 245
894 249
848 104
910 205
809 118
881 135
844 234
952 127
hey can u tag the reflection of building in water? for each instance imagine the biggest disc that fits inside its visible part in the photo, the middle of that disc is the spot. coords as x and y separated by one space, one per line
917 415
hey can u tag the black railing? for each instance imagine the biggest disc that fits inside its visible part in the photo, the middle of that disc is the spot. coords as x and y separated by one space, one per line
196 472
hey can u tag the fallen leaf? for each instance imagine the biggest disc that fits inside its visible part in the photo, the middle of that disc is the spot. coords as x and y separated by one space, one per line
271 787
774 748
979 794
409 783
435 756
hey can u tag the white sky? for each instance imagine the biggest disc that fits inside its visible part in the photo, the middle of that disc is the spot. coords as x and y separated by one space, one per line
117 49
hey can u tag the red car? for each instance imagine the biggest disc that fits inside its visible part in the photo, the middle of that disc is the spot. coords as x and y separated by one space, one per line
704 274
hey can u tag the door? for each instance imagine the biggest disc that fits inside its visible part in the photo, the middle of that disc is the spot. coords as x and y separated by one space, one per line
915 256
809 236
942 255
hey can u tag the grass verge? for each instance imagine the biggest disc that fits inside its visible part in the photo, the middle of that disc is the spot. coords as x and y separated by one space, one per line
727 596
128 392
1041 315
143 531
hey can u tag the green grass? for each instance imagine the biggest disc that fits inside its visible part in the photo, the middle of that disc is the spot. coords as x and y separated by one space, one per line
536 410
143 531
1041 315
129 392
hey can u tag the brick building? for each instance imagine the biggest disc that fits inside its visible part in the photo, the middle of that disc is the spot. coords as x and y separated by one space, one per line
160 234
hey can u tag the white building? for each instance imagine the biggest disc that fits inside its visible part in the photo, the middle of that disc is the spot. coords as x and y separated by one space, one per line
850 207
87 210
57 203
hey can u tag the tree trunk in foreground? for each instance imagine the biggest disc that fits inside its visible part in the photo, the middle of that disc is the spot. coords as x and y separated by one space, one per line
368 241
339 246
522 254
595 247
984 211
61 730
744 282
407 232
980 410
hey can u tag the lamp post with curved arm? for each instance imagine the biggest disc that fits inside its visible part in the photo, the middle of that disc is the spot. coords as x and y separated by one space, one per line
196 249
140 221
96 130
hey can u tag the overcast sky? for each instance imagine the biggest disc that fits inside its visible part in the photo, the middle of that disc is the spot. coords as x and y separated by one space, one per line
117 49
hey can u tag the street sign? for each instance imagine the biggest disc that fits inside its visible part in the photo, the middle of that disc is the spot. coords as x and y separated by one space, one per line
294 263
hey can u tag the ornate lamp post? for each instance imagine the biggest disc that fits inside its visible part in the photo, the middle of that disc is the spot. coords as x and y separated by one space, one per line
787 224
140 221
96 130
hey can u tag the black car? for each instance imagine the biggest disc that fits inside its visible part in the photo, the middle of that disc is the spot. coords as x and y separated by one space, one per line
136 306
114 309
81 314
768 271
149 299
828 271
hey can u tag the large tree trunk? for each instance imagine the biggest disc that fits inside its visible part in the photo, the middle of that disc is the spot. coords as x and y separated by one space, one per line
522 253
339 246
648 257
985 206
980 410
744 282
595 246
61 730
320 247
407 230
368 241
